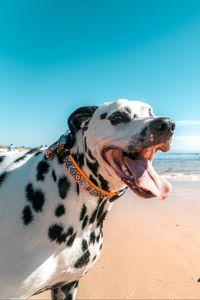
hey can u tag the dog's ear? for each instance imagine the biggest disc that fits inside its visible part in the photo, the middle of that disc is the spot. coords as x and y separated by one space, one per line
79 117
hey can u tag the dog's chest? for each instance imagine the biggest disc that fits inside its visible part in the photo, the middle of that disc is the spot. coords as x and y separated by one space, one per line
74 262
70 264
83 244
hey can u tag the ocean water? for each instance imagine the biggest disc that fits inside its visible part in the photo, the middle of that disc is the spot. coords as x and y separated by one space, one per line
178 165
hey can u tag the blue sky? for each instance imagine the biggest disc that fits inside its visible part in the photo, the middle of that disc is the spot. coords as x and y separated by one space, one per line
58 55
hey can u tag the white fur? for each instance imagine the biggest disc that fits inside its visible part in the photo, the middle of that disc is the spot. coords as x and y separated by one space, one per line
29 261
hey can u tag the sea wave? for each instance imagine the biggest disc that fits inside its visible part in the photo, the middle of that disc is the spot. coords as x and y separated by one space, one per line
181 177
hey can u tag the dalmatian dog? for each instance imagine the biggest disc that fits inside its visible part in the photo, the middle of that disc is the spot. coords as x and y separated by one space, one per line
50 227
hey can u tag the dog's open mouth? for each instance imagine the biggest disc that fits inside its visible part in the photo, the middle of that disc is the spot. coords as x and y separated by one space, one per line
137 171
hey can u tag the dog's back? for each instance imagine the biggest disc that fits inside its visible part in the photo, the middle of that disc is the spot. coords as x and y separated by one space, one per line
17 244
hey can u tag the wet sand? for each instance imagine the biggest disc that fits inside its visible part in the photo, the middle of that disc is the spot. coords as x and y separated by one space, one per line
151 249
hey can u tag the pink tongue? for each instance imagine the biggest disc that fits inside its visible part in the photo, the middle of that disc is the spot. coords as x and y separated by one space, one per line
146 177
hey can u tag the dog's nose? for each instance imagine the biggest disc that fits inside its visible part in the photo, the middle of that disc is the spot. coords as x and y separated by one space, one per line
162 125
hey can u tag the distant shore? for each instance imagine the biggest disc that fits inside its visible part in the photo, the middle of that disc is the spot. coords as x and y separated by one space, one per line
151 249
5 149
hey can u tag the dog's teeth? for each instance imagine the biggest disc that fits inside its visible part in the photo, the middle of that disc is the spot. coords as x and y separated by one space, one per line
125 169
126 172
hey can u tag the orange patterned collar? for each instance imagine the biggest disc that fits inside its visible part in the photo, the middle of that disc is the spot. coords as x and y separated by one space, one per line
75 171
84 182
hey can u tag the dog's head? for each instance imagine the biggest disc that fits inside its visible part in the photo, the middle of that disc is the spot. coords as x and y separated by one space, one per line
124 136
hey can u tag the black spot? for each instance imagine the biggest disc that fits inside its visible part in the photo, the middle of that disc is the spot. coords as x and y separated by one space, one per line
85 143
100 247
38 153
150 112
103 116
45 158
101 208
84 245
60 210
77 188
70 141
101 219
83 212
87 122
121 193
114 198
54 293
84 222
68 288
35 197
92 238
135 116
70 231
83 260
75 157
80 160
94 258
93 216
85 128
29 192
144 132
60 160
69 297
53 174
42 169
2 158
63 186
93 179
119 117
45 289
20 158
3 176
33 150
98 238
27 215
127 109
71 240
56 233
93 166
104 183
91 155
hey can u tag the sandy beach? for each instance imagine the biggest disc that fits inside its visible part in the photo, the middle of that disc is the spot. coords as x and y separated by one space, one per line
151 249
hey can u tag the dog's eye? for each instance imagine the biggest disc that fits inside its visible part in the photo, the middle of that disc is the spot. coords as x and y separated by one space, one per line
119 117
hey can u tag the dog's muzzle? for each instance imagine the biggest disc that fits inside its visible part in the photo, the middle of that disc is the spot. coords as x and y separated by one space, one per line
134 165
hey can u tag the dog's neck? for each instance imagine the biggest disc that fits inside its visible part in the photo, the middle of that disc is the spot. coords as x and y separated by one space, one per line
93 165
